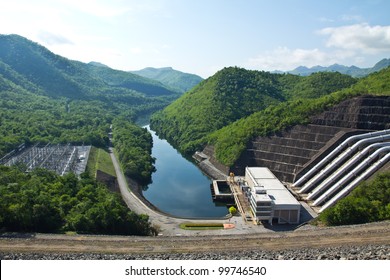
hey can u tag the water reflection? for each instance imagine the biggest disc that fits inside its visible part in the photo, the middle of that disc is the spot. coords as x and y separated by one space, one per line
178 187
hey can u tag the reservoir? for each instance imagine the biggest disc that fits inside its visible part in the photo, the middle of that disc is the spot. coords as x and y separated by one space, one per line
178 186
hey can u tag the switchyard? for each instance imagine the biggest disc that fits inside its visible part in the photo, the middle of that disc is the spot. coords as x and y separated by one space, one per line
59 158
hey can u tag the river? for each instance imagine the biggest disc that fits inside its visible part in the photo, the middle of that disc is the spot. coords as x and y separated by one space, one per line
179 187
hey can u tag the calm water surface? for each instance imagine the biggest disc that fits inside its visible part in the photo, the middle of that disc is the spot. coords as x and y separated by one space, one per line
179 187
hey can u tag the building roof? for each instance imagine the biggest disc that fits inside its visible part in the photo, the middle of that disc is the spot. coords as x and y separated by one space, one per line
279 194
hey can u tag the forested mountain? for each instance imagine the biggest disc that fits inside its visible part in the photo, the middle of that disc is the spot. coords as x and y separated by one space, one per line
60 77
48 98
231 141
172 78
126 80
351 70
232 94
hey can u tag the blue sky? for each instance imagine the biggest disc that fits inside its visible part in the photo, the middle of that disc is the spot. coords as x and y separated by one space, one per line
203 36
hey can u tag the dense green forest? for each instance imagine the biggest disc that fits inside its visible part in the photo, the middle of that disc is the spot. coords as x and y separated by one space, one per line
57 76
369 202
233 94
133 146
42 201
47 98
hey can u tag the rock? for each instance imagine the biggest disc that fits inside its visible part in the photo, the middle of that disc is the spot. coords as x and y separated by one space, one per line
321 257
376 252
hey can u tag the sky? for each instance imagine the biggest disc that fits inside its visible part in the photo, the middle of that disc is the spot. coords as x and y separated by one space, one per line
204 36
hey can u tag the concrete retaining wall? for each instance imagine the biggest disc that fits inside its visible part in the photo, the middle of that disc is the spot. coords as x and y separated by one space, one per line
291 151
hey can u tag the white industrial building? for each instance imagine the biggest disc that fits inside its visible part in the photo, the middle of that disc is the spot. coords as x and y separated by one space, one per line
269 199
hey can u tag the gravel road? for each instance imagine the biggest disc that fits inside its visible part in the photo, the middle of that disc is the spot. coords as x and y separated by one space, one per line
368 252
368 241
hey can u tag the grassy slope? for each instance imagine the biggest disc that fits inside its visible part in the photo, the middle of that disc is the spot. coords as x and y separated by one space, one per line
99 159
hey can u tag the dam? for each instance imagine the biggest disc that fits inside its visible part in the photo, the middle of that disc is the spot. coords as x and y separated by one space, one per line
297 150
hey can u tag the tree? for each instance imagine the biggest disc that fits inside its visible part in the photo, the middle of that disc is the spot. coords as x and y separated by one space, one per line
233 210
369 202
42 201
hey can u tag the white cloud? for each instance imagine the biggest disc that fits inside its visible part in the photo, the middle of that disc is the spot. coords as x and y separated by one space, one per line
41 23
53 39
345 44
359 37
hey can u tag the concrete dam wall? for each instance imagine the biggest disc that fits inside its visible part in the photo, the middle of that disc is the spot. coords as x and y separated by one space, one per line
289 153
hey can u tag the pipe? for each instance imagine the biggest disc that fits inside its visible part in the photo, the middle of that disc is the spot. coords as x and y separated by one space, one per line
355 182
338 149
352 174
340 158
342 170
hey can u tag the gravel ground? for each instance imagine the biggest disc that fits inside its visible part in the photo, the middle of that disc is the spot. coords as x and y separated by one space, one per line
353 242
368 252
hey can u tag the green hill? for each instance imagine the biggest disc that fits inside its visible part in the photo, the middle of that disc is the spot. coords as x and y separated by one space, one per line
172 78
231 140
232 94
122 79
48 98
60 77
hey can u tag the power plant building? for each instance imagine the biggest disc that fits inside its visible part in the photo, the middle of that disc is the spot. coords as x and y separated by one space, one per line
269 199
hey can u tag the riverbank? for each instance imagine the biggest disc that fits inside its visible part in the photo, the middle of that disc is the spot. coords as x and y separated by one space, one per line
168 225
